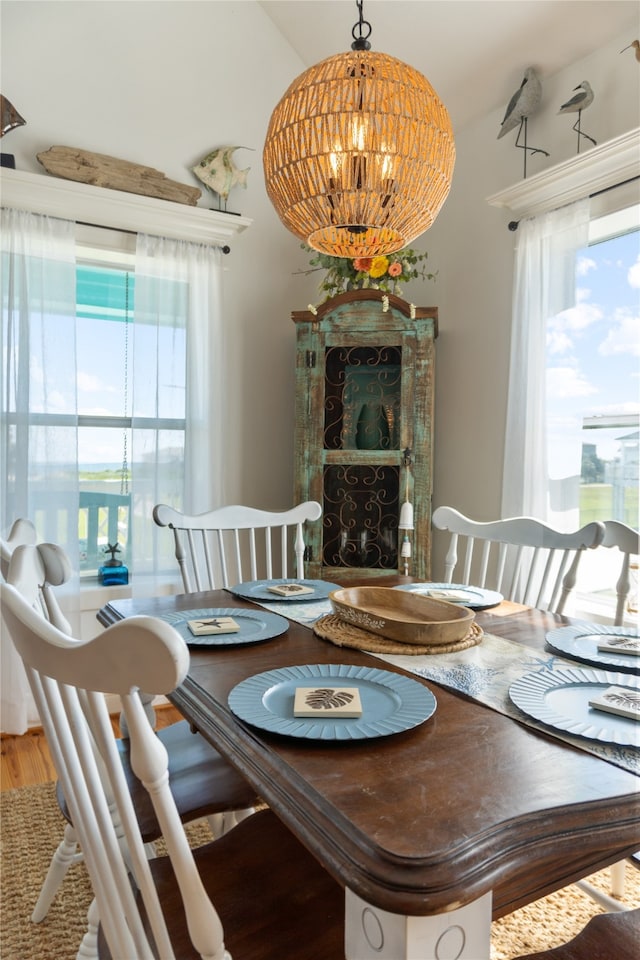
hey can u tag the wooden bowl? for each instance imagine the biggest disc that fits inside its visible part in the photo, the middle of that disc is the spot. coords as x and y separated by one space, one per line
403 616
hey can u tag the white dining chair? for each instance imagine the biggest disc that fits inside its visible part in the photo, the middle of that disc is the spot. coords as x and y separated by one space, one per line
22 532
236 543
202 782
256 893
522 558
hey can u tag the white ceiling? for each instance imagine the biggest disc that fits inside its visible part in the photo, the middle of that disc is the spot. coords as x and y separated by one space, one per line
473 52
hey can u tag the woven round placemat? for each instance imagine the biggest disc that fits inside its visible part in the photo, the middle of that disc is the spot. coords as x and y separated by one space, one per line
344 634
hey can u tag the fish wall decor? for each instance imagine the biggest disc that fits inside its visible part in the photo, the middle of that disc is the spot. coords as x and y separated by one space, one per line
219 173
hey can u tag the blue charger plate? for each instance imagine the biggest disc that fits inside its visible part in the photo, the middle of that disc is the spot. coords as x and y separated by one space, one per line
391 703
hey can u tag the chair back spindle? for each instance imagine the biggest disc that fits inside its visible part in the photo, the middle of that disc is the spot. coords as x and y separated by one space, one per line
237 543
627 541
524 559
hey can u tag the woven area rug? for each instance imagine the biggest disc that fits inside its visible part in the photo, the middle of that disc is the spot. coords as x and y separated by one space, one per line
31 827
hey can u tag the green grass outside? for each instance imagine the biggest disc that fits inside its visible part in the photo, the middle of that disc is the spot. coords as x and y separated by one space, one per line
596 503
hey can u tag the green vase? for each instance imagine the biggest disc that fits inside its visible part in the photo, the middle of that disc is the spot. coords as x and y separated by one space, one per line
372 429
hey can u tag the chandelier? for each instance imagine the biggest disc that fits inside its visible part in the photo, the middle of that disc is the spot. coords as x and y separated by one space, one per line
359 153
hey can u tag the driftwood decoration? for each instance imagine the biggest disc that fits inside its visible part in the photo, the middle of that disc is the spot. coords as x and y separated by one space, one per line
71 163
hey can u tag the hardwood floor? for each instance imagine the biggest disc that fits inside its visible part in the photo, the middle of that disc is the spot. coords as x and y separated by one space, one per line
26 760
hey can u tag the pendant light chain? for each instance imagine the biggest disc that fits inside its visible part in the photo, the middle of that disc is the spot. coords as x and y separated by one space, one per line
361 41
124 476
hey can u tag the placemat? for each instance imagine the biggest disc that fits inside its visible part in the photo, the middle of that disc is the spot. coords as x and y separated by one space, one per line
344 634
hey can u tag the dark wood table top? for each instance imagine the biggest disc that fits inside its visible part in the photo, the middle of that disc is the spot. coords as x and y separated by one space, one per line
429 819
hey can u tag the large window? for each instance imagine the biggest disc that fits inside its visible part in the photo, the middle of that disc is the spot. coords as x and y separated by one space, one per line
78 380
106 329
593 352
111 388
592 375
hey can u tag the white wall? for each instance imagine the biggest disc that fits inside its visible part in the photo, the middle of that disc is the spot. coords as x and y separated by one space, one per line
162 83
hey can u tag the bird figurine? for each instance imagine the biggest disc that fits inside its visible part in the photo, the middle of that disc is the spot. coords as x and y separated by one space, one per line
582 98
523 104
10 120
10 116
219 173
636 45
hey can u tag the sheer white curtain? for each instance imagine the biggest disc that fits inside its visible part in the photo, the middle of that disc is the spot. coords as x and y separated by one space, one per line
544 285
178 372
38 427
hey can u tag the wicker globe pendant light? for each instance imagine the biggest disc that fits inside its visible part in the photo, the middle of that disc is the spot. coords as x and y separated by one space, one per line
359 153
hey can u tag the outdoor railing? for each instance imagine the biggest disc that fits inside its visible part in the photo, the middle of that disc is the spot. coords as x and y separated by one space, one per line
102 517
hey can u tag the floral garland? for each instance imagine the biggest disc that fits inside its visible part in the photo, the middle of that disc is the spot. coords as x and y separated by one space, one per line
384 273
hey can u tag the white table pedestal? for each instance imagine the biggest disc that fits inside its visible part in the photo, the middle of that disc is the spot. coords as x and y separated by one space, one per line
374 934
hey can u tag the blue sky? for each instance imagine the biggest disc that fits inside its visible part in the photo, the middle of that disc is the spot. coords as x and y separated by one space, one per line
593 349
101 349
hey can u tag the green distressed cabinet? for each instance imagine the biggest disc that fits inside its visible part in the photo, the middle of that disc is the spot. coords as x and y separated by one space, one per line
364 431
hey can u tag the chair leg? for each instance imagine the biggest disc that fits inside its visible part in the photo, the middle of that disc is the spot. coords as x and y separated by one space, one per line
617 879
609 903
88 949
68 853
221 823
216 824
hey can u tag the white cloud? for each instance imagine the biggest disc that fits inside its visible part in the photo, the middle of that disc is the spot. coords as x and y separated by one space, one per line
623 338
628 408
582 294
89 383
58 402
565 382
558 342
577 318
584 266
633 276
96 448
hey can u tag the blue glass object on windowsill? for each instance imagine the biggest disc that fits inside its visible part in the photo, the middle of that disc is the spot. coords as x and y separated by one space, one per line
113 572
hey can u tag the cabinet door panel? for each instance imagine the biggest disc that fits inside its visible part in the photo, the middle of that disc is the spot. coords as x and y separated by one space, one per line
364 412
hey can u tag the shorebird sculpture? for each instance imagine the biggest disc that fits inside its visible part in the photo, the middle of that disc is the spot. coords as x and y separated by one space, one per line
10 119
636 45
582 98
522 105
10 116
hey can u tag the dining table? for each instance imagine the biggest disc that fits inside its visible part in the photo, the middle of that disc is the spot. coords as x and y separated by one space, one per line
434 830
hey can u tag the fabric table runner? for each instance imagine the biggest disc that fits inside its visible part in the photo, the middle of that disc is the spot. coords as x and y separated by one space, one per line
484 673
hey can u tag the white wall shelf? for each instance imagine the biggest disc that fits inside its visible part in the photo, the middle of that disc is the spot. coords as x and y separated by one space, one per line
100 206
588 173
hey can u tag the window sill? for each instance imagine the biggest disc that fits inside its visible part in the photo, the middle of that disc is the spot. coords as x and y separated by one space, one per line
93 595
